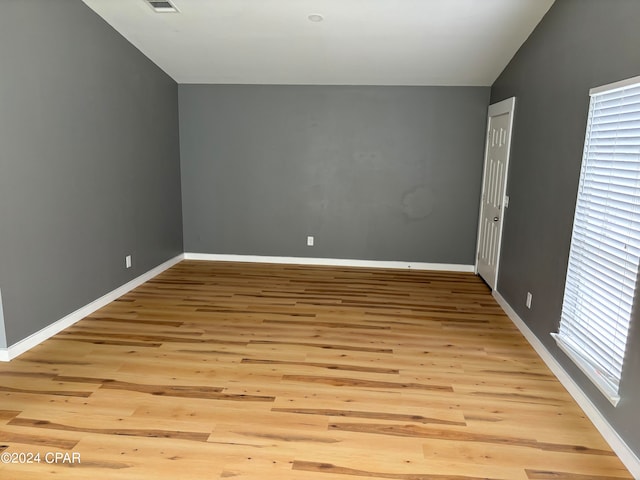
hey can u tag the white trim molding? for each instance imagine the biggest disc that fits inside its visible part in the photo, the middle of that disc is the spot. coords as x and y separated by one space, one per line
7 354
617 444
334 262
3 336
615 86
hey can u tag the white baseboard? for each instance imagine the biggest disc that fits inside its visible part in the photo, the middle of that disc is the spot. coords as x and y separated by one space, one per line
334 262
3 337
7 354
618 445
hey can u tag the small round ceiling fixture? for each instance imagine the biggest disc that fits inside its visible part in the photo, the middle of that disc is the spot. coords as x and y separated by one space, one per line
315 18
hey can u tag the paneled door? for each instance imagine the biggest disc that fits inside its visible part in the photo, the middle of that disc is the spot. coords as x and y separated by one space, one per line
494 184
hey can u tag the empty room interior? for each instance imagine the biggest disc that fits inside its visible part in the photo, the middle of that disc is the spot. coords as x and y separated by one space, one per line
271 239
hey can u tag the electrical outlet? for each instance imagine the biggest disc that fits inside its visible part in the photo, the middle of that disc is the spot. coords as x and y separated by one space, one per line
127 261
529 298
310 241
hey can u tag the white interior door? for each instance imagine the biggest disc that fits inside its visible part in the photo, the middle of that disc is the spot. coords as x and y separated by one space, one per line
494 184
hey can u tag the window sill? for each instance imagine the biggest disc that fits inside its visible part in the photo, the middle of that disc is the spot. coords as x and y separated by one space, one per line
592 372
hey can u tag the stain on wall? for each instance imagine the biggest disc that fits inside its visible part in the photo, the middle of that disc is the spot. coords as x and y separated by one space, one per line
418 203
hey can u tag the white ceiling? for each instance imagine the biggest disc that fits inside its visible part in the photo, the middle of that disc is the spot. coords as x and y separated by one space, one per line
360 42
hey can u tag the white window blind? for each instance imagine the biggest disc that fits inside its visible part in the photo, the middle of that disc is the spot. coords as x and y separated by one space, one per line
605 245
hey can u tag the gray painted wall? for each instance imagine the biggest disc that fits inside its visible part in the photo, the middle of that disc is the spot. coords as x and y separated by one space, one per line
89 162
375 173
579 44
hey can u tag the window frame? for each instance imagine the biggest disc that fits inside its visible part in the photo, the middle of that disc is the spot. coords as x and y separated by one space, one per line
607 382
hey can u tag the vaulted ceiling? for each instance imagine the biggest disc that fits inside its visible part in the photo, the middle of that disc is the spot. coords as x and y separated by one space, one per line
357 42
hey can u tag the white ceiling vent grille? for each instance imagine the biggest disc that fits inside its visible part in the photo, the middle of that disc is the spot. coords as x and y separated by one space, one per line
162 6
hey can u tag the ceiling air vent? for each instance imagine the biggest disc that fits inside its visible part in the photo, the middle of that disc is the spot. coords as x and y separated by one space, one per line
162 7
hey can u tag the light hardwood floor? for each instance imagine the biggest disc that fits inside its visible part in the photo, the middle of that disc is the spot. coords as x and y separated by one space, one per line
248 371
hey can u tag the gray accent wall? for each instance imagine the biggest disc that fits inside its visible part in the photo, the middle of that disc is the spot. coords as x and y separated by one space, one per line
579 44
374 173
89 162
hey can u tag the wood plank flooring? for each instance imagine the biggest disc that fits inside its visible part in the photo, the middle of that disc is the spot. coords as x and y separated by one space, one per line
249 371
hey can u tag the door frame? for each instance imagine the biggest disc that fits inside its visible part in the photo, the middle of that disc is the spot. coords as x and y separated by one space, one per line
506 106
